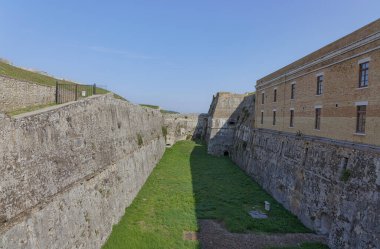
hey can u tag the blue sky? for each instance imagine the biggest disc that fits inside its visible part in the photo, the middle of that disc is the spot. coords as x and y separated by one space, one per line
172 53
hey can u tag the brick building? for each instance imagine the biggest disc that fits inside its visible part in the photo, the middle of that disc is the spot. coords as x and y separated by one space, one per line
333 92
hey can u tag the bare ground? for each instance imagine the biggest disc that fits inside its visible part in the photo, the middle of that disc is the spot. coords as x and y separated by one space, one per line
213 235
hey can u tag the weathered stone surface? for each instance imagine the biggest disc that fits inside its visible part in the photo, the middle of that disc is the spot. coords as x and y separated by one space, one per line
332 186
70 171
226 111
184 126
16 94
306 175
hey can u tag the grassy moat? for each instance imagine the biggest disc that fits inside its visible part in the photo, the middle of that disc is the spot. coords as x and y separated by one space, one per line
187 185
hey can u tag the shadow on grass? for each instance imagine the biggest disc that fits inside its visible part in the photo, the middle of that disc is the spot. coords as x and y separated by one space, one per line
225 193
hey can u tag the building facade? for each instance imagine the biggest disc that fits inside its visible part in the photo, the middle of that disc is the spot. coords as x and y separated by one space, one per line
333 92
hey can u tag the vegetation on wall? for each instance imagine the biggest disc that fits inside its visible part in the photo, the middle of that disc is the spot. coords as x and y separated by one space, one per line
346 174
139 140
164 131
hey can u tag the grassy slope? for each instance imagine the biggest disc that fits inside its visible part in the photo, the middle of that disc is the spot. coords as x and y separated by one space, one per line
158 108
28 109
22 74
37 78
187 185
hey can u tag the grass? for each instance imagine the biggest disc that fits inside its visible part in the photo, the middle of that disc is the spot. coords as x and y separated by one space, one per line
225 193
150 106
168 112
163 209
304 246
28 109
11 71
26 75
186 185
156 107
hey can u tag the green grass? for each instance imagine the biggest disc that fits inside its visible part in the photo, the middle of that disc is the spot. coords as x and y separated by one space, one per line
225 193
168 112
150 106
186 185
38 78
28 109
156 107
22 74
304 246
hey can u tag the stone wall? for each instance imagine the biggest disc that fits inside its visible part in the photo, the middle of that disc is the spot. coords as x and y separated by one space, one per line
16 94
184 126
226 111
69 172
332 186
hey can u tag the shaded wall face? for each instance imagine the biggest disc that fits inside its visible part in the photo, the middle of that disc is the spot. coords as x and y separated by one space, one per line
227 112
184 126
331 187
16 94
69 173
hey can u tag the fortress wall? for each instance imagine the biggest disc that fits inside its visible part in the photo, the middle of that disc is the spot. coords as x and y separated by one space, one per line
227 110
69 171
333 187
16 94
184 126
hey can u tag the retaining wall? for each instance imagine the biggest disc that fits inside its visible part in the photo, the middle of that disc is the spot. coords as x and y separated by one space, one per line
184 126
69 172
332 186
16 94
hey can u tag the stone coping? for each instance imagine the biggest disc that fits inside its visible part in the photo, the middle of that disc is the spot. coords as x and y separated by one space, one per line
347 144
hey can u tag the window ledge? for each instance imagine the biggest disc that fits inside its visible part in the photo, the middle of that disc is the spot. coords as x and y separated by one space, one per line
318 94
359 134
317 129
364 87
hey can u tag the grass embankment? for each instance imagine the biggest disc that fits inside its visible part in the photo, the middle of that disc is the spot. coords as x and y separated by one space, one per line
186 185
11 71
28 109
156 107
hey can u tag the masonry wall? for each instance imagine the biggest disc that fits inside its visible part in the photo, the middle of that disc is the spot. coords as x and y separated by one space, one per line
226 111
332 186
184 126
69 172
16 94
339 63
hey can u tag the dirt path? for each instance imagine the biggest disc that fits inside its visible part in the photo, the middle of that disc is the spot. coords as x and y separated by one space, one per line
213 235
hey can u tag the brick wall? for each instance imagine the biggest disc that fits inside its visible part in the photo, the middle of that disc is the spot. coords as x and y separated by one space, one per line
339 66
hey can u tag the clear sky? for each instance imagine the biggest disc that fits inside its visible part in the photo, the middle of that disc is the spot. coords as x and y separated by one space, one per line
172 53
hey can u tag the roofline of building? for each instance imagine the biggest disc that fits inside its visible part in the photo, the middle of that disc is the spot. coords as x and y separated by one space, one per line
366 32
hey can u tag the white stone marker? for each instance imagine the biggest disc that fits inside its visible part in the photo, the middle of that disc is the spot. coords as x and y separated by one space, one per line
267 205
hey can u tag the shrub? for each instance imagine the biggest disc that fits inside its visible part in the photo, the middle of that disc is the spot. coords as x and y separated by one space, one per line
346 174
164 131
139 140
